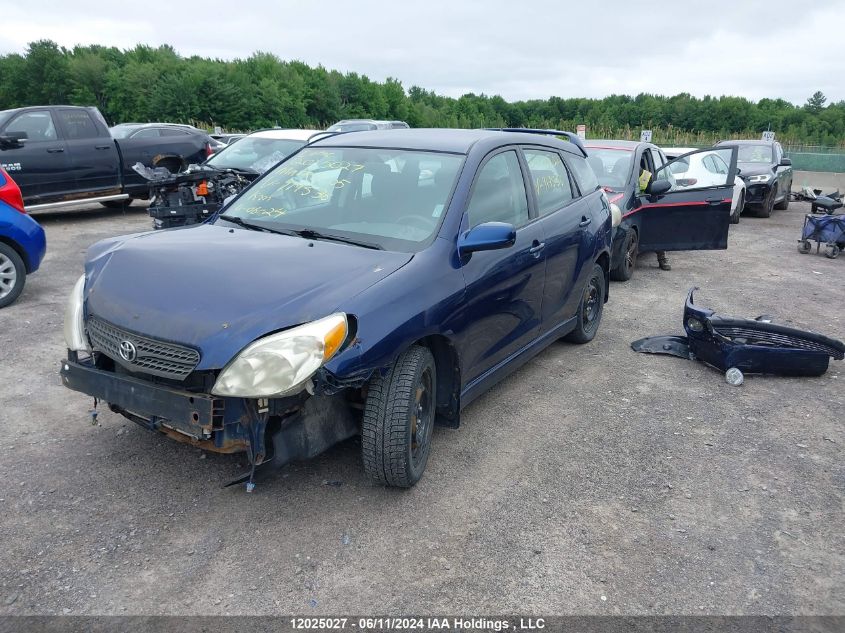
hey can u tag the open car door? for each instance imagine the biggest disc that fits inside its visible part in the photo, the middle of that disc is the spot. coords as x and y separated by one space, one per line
691 212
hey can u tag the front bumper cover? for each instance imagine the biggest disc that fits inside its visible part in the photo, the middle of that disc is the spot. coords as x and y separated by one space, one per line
752 346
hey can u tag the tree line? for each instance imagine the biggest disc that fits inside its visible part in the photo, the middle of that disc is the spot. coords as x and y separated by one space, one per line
158 84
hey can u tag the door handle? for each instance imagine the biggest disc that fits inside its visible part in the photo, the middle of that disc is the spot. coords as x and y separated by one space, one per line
537 248
55 150
714 201
585 221
102 146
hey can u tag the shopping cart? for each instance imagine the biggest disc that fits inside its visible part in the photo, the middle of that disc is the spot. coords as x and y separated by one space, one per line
823 229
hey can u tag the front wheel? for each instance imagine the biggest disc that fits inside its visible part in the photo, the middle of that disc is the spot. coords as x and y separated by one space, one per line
630 249
12 275
831 251
117 204
399 418
590 308
783 205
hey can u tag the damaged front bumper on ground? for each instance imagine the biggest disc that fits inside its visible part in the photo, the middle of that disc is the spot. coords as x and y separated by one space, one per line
752 346
277 430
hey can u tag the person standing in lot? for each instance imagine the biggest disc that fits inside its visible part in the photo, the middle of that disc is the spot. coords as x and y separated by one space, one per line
645 177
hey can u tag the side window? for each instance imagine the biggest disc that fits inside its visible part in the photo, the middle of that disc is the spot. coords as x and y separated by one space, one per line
148 132
78 124
646 174
499 192
36 126
549 179
166 131
702 169
585 176
656 158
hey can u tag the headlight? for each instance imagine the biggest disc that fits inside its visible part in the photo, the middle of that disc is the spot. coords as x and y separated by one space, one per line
615 214
759 178
281 364
74 321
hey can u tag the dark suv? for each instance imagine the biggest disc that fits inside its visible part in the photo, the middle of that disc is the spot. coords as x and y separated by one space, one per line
767 174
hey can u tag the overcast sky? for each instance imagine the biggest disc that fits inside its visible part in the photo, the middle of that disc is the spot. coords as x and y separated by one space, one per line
520 50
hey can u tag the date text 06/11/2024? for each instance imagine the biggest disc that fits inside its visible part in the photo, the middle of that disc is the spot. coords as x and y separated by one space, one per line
416 623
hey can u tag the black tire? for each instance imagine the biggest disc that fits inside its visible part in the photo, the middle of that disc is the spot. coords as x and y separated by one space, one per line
117 204
399 418
784 204
590 308
12 275
831 251
805 247
765 211
739 205
630 249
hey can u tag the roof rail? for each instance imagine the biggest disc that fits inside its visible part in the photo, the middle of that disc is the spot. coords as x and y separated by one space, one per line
572 138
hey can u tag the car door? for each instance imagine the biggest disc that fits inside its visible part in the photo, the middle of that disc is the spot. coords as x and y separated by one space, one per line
40 166
695 217
92 153
504 287
563 217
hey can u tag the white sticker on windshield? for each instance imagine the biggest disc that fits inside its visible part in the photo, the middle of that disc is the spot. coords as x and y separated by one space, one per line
438 209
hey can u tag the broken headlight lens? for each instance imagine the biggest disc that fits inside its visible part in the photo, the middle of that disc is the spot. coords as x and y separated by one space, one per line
759 178
695 325
74 319
281 364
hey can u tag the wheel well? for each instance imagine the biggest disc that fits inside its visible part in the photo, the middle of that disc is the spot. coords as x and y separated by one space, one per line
168 161
603 260
20 251
448 368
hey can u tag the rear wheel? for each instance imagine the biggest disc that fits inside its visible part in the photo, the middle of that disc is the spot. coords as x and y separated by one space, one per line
738 211
805 247
630 249
399 418
832 251
12 275
590 309
783 205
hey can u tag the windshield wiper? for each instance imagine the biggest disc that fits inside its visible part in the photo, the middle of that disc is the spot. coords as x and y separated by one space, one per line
247 225
311 234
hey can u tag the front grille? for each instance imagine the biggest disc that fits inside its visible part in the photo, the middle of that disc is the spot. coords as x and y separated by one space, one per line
158 358
750 336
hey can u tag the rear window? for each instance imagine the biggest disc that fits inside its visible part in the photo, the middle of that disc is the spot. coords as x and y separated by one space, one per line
584 175
78 124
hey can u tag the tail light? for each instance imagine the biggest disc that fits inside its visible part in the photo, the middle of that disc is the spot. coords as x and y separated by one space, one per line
686 182
10 193
208 150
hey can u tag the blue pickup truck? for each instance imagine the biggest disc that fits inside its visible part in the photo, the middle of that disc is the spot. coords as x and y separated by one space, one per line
61 155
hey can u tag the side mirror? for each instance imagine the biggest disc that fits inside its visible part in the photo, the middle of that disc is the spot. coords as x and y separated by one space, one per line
785 162
12 140
488 236
659 187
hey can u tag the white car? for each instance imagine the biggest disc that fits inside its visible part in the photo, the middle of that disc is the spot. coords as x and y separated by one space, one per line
703 168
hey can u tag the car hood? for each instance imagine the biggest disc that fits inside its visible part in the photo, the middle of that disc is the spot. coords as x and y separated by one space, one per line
218 289
753 169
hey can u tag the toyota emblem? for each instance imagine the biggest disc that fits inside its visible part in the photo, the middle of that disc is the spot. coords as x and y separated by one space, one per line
127 351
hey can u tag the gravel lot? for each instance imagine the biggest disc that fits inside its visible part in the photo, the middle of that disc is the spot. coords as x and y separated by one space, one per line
594 480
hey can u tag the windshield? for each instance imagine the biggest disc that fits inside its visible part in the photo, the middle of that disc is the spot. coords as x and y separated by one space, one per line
754 154
5 114
254 153
358 126
121 131
388 197
612 165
